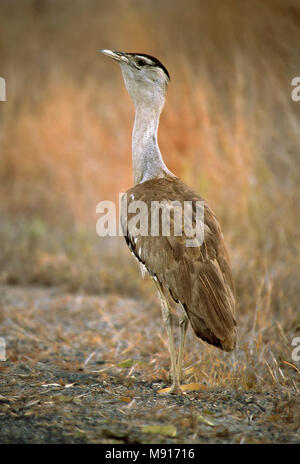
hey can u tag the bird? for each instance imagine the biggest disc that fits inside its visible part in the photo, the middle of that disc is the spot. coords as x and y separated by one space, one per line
196 279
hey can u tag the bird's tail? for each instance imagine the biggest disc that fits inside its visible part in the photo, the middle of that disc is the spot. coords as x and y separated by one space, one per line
226 343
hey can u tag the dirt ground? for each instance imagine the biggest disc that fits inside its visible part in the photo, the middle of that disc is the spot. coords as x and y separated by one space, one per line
61 384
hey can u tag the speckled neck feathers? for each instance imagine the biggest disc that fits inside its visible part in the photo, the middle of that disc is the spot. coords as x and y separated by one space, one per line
146 157
147 90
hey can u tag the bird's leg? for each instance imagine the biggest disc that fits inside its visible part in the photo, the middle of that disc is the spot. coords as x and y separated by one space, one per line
168 320
183 324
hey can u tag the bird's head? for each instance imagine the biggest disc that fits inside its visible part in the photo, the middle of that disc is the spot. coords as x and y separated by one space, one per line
145 77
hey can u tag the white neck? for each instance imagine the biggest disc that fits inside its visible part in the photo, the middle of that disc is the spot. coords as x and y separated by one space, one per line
146 157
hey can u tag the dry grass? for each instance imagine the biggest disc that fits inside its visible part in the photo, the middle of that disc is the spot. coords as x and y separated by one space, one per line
229 129
96 379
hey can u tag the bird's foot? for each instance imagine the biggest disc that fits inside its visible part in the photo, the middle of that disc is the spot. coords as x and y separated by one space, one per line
179 389
173 390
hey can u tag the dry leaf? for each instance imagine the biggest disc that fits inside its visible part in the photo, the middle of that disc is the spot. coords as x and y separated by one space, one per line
31 403
166 430
126 363
205 421
64 398
192 387
126 399
51 385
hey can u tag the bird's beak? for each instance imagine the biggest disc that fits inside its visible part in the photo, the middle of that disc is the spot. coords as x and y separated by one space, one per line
118 56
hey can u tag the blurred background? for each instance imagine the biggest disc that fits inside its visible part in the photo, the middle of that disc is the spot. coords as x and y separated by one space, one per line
229 129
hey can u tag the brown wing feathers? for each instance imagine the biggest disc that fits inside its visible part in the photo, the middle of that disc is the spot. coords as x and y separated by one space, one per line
198 277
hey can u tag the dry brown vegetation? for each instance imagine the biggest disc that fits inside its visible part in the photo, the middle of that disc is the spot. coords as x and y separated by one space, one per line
229 129
70 378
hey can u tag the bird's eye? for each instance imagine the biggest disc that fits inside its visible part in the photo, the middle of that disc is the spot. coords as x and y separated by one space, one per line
141 62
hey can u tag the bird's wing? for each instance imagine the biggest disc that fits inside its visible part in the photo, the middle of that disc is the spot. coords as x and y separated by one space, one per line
198 277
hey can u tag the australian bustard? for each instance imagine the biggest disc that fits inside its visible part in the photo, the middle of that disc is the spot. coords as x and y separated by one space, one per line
198 278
